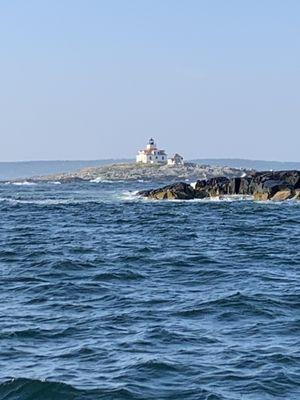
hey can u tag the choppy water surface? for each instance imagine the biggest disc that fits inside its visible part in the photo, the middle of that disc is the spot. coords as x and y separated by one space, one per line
104 296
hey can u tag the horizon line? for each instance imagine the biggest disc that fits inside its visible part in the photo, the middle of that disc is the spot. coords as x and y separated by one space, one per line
132 159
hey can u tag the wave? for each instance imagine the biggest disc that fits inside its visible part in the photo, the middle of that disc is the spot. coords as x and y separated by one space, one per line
122 276
130 195
231 306
26 389
29 389
222 199
101 180
218 199
156 365
232 197
35 389
49 202
23 183
37 202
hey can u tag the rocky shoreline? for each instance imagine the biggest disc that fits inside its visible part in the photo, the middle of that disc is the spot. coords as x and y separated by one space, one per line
261 186
142 172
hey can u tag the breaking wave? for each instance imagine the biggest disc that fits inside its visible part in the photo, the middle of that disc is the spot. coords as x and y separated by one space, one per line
130 195
101 180
23 183
49 202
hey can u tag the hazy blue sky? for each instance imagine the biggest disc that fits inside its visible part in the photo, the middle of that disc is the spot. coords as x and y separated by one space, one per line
90 79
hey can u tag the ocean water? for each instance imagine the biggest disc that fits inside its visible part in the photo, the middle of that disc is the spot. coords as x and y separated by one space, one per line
107 296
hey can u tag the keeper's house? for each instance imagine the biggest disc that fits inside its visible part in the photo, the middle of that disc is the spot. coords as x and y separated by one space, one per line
177 159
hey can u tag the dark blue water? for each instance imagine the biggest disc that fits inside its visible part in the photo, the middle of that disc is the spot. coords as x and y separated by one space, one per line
104 296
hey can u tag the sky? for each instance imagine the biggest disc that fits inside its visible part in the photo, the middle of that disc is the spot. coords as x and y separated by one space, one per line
93 79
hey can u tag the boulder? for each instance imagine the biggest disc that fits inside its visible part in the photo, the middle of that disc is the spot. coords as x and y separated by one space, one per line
282 195
212 187
177 191
242 186
266 190
259 196
297 195
292 177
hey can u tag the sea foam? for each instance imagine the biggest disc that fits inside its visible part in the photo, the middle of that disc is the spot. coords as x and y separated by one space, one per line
23 183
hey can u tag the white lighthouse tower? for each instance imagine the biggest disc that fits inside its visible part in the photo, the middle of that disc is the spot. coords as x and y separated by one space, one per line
151 154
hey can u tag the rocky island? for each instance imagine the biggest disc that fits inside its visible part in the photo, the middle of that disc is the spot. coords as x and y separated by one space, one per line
142 172
275 186
152 164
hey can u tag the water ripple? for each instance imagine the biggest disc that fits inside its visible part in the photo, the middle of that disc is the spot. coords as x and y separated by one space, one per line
111 297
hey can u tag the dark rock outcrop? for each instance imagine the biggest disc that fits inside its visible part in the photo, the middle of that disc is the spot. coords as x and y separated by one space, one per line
268 189
212 187
177 191
276 186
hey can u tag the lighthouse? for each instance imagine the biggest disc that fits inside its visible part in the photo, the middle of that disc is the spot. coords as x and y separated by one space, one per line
151 144
151 154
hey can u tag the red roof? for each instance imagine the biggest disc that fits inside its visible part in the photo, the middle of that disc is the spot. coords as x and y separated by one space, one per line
151 151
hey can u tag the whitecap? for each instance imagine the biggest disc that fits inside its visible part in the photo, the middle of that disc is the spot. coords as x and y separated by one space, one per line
96 180
38 201
101 180
130 195
49 202
231 197
23 183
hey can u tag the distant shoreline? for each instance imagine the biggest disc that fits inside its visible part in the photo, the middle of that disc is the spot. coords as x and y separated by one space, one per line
130 160
26 169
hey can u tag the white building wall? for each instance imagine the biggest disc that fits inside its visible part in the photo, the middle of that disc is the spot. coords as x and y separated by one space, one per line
153 158
141 158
